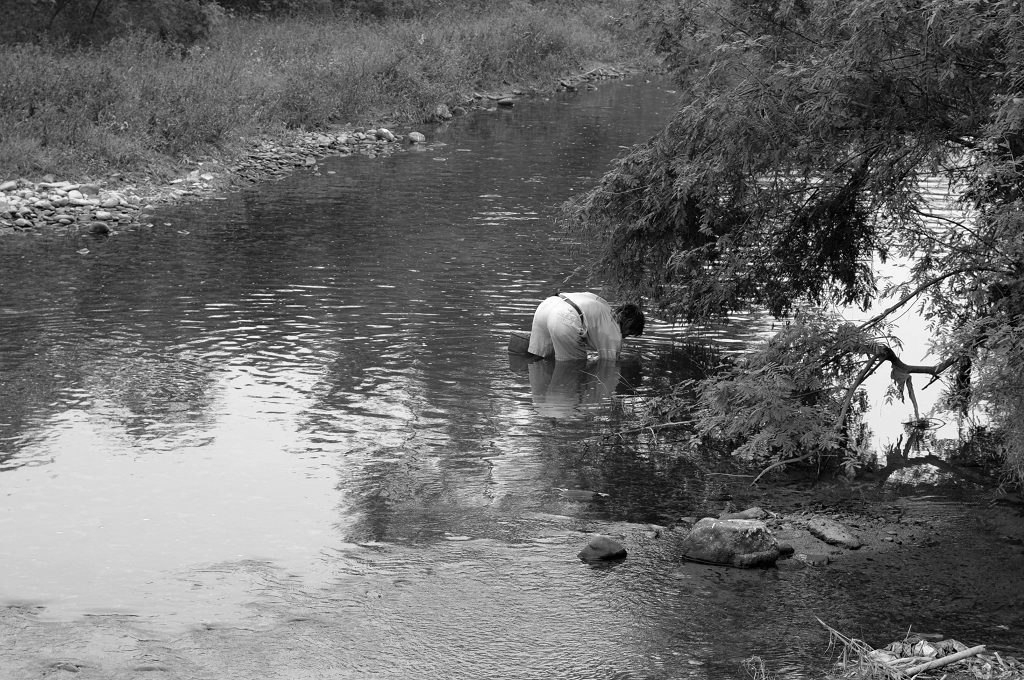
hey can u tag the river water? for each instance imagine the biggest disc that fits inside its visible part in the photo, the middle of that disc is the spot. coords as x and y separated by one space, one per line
290 414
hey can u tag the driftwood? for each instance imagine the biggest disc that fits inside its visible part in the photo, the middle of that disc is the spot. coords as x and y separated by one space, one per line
901 372
901 375
656 427
945 661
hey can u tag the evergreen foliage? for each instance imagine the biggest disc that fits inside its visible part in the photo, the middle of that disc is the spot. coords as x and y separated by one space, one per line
806 131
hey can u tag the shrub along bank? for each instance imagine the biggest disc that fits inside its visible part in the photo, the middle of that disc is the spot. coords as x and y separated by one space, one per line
138 104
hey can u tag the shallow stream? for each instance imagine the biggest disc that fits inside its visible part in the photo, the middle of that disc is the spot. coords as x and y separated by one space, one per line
280 434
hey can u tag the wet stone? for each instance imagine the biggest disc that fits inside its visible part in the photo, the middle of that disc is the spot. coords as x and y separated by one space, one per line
833 533
602 549
815 559
741 543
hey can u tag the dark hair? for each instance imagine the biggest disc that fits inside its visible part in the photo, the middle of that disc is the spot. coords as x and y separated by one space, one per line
631 319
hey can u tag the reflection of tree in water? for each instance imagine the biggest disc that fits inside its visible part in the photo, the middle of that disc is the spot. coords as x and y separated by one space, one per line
564 389
149 392
643 484
406 493
125 378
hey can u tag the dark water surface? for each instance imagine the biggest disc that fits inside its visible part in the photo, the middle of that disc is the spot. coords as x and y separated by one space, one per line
290 413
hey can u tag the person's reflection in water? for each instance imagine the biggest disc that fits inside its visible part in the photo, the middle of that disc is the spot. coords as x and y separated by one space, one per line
560 388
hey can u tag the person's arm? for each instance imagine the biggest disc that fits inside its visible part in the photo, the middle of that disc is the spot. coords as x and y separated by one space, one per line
603 334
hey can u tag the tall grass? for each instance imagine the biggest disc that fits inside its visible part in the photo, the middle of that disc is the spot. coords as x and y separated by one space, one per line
138 104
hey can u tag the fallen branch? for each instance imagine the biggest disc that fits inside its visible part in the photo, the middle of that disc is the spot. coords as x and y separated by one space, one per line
873 363
946 660
657 427
912 295
886 353
781 462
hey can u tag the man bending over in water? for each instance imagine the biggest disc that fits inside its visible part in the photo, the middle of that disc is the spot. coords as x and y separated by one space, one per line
567 324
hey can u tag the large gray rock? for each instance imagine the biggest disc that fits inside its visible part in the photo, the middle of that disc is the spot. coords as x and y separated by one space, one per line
734 542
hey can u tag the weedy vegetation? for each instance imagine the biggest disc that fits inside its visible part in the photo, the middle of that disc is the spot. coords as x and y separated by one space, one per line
86 94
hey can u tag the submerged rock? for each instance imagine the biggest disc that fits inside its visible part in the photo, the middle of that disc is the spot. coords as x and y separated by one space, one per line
833 532
602 549
735 542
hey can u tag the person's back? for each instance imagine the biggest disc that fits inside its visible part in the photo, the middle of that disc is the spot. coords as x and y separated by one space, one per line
565 326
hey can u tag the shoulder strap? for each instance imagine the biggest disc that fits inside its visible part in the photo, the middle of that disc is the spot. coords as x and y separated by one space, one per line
575 306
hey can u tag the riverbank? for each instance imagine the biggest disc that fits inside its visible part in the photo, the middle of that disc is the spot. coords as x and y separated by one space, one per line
133 123
122 200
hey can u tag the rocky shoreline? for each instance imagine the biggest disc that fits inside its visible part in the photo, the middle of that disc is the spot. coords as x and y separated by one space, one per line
60 206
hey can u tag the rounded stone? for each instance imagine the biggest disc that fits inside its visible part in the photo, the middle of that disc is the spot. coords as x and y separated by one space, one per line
737 542
602 549
816 559
442 112
416 137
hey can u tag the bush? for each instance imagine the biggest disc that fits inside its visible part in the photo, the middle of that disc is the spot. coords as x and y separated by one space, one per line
277 8
96 22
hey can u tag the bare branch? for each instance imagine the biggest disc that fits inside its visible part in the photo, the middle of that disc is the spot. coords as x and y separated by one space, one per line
909 297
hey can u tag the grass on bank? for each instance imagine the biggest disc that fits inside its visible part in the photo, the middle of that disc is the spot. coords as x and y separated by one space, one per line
137 105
